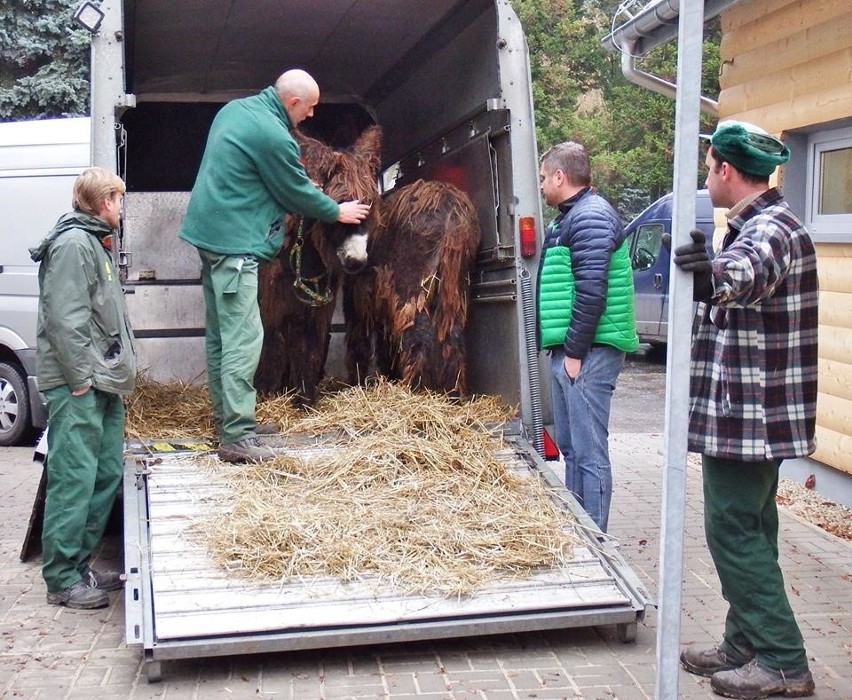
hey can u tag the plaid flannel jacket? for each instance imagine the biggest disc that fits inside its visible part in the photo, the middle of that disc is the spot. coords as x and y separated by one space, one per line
753 382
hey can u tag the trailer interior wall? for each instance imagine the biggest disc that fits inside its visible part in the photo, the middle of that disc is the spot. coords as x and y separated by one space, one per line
450 75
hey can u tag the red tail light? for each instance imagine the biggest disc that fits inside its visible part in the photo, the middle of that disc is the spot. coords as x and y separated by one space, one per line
551 451
529 238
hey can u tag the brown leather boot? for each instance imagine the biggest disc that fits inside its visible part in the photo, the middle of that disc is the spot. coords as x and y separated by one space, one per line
754 680
706 662
249 449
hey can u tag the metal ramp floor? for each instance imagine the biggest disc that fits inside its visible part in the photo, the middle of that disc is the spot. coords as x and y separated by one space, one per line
181 604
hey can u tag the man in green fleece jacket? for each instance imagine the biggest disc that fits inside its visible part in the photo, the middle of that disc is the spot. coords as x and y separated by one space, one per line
86 363
250 178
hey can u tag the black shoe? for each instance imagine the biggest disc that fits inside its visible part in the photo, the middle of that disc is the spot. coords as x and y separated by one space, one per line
79 596
267 429
248 449
103 580
754 680
706 662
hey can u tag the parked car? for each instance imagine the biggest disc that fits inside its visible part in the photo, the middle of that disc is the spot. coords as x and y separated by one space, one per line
651 266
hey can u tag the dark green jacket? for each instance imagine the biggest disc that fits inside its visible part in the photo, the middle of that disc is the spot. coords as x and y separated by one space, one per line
84 336
585 289
251 175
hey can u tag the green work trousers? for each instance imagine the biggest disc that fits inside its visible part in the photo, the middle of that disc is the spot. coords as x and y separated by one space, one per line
234 339
741 525
85 458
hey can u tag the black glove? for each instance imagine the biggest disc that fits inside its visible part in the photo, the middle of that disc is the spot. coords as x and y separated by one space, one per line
693 257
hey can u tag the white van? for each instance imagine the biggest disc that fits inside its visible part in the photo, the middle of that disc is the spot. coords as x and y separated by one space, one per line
39 161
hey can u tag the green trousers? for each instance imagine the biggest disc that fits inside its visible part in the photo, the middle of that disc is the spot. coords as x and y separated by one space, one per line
234 339
741 525
85 460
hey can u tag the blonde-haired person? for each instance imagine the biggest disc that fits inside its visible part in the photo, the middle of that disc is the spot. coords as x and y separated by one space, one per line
86 363
94 187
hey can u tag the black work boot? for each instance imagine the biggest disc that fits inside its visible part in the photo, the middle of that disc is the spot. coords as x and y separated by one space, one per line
104 580
706 662
79 596
249 449
754 680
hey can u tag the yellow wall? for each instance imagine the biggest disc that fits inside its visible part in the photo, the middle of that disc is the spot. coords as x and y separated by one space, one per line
787 64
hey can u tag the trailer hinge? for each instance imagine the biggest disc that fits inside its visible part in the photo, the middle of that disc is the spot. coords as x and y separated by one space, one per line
140 478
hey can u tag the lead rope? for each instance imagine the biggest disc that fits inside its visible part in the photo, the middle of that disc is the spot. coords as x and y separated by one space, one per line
308 290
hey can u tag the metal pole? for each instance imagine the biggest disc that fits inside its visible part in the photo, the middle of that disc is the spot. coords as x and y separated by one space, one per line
687 106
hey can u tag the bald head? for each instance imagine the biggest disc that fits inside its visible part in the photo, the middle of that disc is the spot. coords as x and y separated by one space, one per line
296 83
299 93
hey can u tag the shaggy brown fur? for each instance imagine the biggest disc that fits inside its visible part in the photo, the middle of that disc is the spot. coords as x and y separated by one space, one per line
417 300
296 333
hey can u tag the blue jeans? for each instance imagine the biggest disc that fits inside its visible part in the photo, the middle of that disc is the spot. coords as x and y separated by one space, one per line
581 416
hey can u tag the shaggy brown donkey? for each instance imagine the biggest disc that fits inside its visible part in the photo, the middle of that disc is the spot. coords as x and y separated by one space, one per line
415 302
299 289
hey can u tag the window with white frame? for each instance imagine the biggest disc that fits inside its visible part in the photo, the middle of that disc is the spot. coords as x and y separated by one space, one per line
829 201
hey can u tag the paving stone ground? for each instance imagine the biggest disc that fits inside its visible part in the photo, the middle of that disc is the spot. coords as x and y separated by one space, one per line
52 653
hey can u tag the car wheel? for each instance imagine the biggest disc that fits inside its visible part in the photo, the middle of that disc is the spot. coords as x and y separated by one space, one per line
15 426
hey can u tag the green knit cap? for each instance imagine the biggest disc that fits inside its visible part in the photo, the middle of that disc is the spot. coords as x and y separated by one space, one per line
748 147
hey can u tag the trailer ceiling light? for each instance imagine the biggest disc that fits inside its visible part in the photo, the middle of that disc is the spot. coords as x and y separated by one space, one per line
89 17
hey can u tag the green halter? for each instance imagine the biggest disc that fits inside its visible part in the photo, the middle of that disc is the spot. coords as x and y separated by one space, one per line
308 290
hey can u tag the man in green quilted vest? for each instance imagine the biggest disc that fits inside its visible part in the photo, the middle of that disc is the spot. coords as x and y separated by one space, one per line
586 320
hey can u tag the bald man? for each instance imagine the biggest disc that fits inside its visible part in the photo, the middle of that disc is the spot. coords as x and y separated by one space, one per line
250 178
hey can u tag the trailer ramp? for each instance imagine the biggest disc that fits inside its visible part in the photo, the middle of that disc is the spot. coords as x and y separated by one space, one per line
180 604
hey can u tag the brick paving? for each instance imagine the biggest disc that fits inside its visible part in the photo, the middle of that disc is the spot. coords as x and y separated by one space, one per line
52 653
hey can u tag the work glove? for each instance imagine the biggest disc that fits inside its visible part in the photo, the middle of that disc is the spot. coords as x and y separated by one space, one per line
693 257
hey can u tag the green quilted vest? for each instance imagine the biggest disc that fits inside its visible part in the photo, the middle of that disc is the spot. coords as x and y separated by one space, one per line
617 325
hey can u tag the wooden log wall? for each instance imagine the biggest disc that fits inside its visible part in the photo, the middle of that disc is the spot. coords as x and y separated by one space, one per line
834 403
787 64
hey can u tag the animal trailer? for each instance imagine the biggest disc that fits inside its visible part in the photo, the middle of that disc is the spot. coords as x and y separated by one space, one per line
449 83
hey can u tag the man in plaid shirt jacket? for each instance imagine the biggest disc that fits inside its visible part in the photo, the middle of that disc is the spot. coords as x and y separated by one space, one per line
752 404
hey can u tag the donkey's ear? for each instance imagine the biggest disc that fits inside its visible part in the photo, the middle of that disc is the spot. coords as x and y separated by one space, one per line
306 143
369 144
318 158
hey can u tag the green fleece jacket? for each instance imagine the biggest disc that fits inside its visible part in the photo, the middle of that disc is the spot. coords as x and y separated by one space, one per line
251 175
83 334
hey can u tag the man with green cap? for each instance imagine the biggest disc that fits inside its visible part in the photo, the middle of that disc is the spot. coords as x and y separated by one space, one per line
753 393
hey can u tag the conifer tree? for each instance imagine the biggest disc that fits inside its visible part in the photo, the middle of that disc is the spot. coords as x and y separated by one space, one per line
44 60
